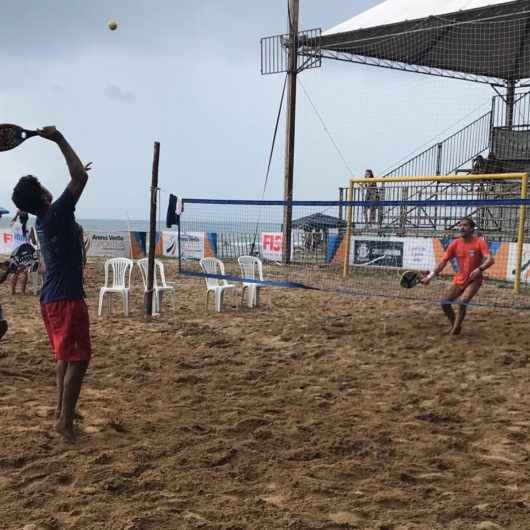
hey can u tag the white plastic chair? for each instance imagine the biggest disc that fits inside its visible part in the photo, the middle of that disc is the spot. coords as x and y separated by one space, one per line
159 287
120 282
215 285
251 268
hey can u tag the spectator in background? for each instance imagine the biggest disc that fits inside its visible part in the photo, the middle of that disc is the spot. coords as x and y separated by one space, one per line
478 165
372 194
22 217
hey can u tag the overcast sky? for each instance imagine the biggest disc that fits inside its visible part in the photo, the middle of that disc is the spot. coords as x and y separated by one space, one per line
187 73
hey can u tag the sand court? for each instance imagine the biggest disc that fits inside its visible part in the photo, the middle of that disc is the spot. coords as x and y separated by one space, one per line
299 417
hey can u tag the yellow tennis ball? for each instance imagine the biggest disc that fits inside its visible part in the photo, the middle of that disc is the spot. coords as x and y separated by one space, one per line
112 25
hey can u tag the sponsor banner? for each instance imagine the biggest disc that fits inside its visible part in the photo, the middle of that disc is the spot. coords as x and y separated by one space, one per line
418 253
138 244
334 247
512 261
10 240
271 246
377 252
108 244
210 245
192 244
500 269
159 249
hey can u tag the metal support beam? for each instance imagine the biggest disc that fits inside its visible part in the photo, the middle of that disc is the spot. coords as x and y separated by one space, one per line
510 103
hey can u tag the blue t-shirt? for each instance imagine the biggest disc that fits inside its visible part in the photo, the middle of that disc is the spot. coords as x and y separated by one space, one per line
61 250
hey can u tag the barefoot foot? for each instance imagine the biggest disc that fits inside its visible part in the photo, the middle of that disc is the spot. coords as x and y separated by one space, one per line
66 432
456 330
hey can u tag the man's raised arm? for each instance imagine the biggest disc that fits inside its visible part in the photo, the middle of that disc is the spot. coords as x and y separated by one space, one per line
78 171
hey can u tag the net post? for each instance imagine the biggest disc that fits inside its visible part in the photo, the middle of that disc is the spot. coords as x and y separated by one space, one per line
148 301
349 217
179 246
520 235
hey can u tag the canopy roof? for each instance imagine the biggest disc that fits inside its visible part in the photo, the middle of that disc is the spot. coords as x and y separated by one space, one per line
317 221
394 11
477 40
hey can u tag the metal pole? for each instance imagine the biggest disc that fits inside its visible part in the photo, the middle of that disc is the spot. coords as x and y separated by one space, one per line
493 121
341 196
349 221
439 152
293 8
439 148
179 245
520 235
510 103
148 301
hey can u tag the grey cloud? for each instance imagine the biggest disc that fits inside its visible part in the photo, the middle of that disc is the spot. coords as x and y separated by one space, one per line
115 93
191 70
228 28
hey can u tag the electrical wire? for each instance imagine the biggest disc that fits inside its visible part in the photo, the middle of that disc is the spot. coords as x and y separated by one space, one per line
324 126
271 153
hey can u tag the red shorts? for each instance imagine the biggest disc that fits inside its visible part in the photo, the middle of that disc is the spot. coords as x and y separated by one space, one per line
464 281
68 329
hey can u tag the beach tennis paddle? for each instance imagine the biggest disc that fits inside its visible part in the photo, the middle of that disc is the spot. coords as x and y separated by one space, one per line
24 257
12 136
410 279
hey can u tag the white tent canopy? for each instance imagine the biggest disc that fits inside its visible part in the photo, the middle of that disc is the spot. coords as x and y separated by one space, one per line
393 11
477 40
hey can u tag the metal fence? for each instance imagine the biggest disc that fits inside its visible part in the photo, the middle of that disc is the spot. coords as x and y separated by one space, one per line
450 154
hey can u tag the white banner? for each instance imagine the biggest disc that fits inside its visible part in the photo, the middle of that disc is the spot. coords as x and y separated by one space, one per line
418 253
192 244
10 240
415 253
525 263
271 246
108 244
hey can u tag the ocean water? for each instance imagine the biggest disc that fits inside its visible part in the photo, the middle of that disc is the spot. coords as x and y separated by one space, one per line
142 225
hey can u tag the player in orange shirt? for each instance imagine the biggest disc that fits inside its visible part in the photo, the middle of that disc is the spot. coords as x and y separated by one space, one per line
473 257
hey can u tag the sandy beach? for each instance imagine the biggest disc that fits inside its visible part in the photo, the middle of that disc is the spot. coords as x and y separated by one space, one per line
297 417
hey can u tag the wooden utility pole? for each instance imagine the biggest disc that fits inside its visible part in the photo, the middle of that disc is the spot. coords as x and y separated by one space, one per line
148 301
293 8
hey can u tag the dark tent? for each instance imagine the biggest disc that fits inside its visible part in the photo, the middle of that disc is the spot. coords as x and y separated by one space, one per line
318 221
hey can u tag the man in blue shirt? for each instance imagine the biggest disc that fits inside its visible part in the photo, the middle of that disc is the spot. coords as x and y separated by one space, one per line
64 310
